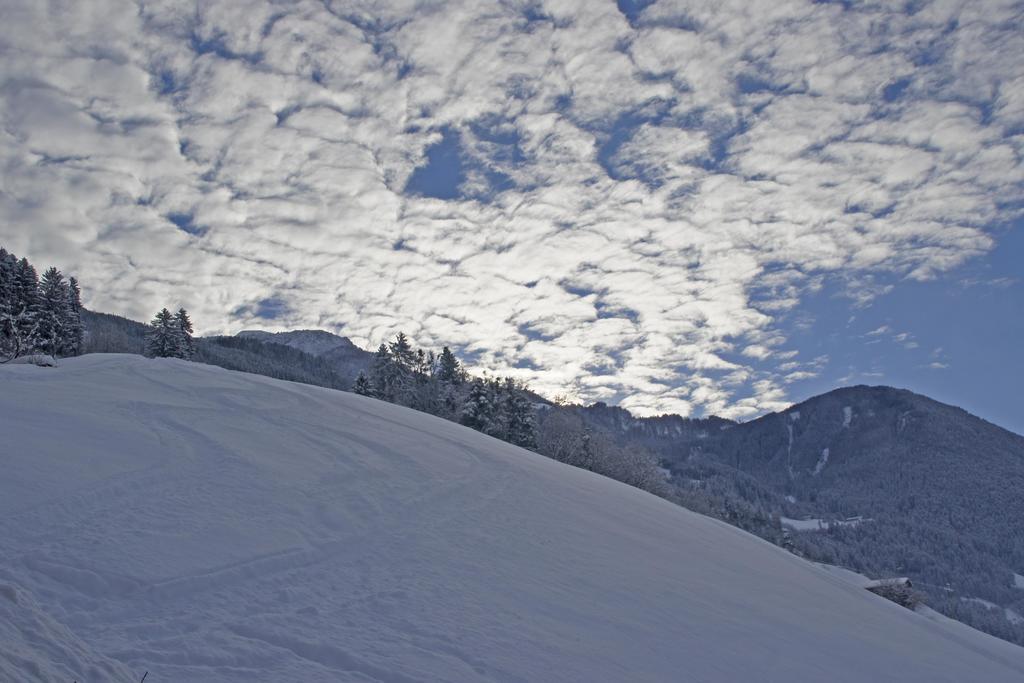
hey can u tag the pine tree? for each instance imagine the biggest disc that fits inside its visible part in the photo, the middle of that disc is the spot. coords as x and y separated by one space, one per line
186 346
21 323
449 369
478 412
53 311
163 340
37 315
74 331
402 352
8 264
518 419
382 374
362 386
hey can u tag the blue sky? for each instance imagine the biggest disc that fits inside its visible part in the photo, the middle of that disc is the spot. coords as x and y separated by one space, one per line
956 339
682 207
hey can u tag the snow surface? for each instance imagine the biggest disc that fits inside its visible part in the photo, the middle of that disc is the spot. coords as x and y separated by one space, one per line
1018 581
847 416
40 359
208 525
822 461
987 604
803 524
819 524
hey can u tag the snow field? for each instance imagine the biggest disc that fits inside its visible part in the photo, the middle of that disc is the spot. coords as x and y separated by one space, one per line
207 525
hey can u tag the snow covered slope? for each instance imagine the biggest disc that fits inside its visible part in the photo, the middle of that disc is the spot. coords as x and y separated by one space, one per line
207 525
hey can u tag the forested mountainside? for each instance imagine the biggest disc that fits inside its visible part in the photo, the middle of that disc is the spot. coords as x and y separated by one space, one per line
105 333
903 485
345 358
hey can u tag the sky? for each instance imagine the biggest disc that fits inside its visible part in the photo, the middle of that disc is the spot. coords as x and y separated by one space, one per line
688 207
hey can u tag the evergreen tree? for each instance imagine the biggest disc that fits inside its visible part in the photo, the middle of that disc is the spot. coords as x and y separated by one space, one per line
163 340
382 374
402 352
518 419
26 285
362 386
449 369
478 412
186 346
403 372
74 332
20 322
53 311
8 264
37 315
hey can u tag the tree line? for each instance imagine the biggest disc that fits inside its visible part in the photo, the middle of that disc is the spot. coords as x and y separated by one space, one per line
38 315
170 335
437 383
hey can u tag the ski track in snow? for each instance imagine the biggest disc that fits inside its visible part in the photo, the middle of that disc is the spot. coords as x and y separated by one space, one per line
207 525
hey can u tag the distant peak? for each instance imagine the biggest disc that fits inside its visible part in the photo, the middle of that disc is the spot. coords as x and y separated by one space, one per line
315 342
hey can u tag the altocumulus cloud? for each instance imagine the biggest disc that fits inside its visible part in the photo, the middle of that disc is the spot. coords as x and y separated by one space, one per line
626 204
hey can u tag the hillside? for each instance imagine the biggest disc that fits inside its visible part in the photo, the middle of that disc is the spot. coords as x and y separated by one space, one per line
937 488
208 525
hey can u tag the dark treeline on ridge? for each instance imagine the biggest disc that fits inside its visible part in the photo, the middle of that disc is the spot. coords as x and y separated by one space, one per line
437 383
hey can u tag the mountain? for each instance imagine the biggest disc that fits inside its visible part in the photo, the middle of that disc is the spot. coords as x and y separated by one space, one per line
313 342
346 359
309 356
878 479
656 433
107 333
208 525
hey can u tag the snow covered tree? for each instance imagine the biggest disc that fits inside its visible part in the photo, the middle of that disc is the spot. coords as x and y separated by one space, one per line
402 352
449 369
19 316
37 316
8 264
53 311
186 346
164 338
517 416
382 374
479 411
362 386
74 331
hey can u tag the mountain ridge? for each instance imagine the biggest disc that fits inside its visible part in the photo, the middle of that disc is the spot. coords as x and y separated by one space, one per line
879 479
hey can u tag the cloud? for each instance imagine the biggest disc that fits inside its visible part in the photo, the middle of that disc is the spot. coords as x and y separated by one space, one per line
636 209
